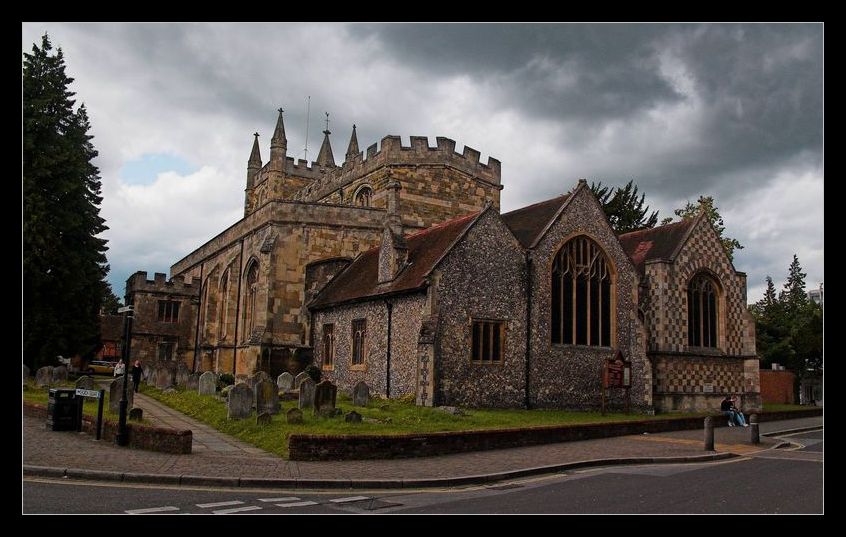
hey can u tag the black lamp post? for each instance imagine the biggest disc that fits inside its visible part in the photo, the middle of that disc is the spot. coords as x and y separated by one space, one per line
122 436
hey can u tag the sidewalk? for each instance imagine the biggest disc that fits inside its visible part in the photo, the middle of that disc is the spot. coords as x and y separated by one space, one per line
225 461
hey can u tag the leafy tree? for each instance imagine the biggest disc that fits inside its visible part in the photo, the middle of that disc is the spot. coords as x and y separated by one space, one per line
64 263
111 302
624 210
691 210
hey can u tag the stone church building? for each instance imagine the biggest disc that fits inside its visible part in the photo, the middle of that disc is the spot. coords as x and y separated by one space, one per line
397 268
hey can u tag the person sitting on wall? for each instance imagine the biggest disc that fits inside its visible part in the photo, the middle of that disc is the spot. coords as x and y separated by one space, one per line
726 408
738 414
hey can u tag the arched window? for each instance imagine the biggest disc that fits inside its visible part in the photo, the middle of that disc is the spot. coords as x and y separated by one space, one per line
204 306
363 197
224 306
581 295
250 304
702 312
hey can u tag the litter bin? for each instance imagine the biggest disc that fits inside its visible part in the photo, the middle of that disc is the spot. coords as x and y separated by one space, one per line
62 411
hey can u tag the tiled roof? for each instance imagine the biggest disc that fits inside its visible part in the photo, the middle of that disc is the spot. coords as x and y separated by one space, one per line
655 243
527 223
425 248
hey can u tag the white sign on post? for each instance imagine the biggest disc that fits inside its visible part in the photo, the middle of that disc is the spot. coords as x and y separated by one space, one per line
88 393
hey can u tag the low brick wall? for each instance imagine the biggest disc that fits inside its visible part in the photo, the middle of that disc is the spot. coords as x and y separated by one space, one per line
140 436
303 447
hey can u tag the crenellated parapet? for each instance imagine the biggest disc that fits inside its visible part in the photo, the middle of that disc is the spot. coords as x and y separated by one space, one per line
391 152
138 282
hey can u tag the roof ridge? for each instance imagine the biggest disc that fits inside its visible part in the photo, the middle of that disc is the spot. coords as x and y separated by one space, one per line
442 225
537 203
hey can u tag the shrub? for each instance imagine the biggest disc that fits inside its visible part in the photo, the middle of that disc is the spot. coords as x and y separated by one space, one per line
224 380
314 372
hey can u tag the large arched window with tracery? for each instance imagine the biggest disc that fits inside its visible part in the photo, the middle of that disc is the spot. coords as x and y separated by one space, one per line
702 311
364 197
250 304
581 295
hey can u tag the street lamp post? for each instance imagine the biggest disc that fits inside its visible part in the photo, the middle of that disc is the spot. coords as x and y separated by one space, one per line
122 436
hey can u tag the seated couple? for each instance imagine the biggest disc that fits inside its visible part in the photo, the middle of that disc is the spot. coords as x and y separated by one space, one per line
730 410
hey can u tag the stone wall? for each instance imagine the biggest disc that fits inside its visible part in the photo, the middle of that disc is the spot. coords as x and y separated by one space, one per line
482 278
691 383
405 325
569 376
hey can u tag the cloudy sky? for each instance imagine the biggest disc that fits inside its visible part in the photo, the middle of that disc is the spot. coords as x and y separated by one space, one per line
730 111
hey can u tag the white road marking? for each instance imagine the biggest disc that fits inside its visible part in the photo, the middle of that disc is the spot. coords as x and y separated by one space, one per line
296 504
350 499
151 510
236 510
219 504
288 499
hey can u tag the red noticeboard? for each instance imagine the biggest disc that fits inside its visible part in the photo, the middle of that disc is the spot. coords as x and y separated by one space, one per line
617 373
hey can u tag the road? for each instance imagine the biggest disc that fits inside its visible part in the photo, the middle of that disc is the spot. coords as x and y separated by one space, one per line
764 483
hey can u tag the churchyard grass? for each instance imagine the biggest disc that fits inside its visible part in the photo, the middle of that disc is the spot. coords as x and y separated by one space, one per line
36 394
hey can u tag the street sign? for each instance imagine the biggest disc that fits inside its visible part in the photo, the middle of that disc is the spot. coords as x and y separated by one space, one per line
125 309
88 393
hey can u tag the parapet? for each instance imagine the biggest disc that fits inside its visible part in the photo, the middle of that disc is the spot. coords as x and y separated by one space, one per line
138 282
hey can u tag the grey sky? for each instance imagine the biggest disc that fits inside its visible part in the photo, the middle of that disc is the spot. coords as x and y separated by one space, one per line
731 111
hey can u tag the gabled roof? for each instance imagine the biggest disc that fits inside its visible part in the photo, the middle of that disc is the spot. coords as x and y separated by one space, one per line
529 222
425 249
661 242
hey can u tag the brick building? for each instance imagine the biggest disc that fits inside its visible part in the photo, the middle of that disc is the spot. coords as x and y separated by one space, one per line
398 269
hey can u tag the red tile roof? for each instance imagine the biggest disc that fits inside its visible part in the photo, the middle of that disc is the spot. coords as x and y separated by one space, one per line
527 223
655 243
425 248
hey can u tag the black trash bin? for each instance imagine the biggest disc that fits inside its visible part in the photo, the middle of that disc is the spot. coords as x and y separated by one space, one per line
62 412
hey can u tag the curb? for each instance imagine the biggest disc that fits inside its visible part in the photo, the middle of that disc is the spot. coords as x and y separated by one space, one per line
794 431
260 482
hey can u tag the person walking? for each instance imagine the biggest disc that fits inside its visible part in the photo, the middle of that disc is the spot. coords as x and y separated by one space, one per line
120 368
137 371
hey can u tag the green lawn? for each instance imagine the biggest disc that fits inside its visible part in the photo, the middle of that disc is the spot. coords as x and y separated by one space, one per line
35 394
779 407
393 417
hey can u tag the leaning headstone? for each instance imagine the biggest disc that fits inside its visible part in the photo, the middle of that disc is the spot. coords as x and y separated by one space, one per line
44 376
60 374
263 419
24 373
182 374
208 383
193 382
240 402
285 382
299 379
86 383
267 398
306 393
324 398
116 392
361 394
353 417
136 414
295 415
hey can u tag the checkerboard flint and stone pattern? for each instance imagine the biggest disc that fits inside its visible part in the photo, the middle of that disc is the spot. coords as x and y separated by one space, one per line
668 296
696 375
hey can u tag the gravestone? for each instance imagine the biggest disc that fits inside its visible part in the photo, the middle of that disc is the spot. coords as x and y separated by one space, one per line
285 382
44 376
240 378
24 373
151 375
267 398
295 415
208 383
324 398
306 393
353 417
60 374
263 419
86 383
115 393
182 374
299 379
258 376
164 377
136 414
240 402
193 382
361 394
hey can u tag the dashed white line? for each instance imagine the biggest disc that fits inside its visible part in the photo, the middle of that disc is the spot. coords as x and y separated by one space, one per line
288 499
237 510
219 504
151 510
296 504
350 499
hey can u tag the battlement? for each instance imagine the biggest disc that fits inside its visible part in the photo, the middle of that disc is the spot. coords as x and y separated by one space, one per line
391 152
138 282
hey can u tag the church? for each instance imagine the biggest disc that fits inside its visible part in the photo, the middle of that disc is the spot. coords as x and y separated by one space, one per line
397 268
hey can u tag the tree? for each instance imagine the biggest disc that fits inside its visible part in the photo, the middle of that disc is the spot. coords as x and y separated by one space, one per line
706 203
794 297
64 262
111 302
624 210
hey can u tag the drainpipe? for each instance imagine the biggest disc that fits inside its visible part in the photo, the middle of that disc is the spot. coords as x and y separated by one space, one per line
238 309
390 307
199 309
527 402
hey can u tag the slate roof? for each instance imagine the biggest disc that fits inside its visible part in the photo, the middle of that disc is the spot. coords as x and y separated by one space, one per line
359 280
656 243
528 222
